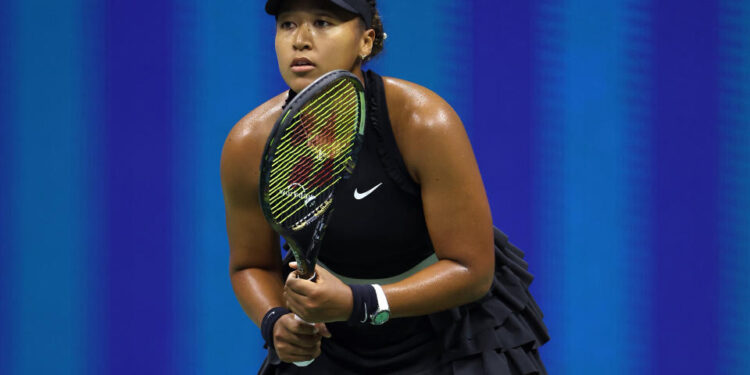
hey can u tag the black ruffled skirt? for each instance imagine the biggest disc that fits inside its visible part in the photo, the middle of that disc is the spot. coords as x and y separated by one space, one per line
499 334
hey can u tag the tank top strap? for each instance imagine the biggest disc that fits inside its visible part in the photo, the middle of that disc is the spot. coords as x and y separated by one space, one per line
387 147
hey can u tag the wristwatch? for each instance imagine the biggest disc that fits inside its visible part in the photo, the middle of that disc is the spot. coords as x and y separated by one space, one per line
382 314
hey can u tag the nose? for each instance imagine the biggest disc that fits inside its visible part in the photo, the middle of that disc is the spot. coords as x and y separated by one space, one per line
303 38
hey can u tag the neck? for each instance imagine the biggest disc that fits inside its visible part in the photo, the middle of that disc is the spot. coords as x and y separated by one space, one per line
357 71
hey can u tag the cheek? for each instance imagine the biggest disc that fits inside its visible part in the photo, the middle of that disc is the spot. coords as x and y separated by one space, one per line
278 47
282 55
345 51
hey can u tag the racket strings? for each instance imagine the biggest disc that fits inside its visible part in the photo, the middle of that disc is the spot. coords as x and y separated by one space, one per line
294 214
293 198
306 125
285 215
318 143
304 155
323 99
289 198
310 151
301 171
310 159
318 149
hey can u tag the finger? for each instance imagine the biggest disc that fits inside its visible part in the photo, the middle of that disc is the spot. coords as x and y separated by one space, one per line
294 302
291 276
300 286
302 345
324 276
297 356
299 344
293 265
320 271
323 330
316 330
294 353
291 324
299 327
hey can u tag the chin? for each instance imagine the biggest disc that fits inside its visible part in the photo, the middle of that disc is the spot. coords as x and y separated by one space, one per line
298 83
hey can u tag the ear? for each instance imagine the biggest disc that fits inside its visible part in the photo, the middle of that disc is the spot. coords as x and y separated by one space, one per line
368 39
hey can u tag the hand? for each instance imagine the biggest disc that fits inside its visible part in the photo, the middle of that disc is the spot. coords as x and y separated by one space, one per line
325 300
296 340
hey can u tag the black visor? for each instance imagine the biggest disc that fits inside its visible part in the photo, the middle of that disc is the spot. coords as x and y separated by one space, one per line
358 7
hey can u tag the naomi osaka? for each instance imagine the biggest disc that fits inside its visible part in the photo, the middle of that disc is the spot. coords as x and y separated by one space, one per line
412 277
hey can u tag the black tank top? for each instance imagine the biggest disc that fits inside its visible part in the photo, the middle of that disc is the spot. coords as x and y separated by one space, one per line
377 228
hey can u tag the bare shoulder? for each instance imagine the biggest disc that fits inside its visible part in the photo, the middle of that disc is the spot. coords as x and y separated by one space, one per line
423 123
243 147
257 124
417 107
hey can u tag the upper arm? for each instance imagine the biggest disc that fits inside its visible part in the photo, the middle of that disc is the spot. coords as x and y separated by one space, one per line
438 153
252 242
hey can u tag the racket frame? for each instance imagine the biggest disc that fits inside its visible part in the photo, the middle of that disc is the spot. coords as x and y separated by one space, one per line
306 254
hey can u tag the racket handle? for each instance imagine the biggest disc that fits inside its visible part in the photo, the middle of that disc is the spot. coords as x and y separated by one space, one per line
303 363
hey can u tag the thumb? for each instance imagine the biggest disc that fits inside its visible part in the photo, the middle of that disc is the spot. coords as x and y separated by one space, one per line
323 330
323 273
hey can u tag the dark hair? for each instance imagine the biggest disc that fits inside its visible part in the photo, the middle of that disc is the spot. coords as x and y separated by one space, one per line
377 25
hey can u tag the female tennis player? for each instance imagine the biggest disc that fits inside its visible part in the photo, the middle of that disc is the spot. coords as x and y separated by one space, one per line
412 278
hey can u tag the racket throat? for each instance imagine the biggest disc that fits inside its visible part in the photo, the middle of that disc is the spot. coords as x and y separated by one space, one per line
305 245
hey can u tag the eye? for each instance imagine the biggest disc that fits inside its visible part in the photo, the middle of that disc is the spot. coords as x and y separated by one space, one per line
322 23
286 25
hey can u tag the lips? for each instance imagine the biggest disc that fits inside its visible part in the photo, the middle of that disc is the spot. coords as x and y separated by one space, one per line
302 64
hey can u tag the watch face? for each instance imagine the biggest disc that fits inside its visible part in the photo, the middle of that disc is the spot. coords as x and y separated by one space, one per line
381 317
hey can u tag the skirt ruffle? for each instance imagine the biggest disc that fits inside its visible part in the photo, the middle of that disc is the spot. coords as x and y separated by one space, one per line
499 334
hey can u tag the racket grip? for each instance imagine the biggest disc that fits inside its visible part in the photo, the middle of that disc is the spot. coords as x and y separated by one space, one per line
303 363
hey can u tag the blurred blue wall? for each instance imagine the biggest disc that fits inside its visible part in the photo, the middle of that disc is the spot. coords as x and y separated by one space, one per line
613 138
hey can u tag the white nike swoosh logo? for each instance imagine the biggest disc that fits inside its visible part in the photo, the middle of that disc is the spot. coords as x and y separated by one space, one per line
360 196
365 319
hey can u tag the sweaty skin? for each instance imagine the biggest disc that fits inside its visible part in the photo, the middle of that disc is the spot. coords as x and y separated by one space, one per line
437 153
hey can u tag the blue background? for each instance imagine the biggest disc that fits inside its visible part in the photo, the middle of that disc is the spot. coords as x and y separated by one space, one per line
613 138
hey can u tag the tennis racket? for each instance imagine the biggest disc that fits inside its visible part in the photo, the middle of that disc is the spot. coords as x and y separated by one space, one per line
311 148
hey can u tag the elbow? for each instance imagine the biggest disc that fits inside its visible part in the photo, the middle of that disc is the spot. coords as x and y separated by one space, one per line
482 287
235 273
476 279
237 268
481 282
239 272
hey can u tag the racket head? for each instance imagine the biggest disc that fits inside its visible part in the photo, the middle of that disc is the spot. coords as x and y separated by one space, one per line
312 147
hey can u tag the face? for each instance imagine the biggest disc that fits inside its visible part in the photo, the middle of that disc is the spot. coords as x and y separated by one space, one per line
314 37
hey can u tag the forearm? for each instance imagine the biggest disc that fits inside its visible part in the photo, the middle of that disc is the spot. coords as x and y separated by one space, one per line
257 290
441 286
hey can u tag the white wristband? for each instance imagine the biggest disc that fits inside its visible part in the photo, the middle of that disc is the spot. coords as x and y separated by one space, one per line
382 301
